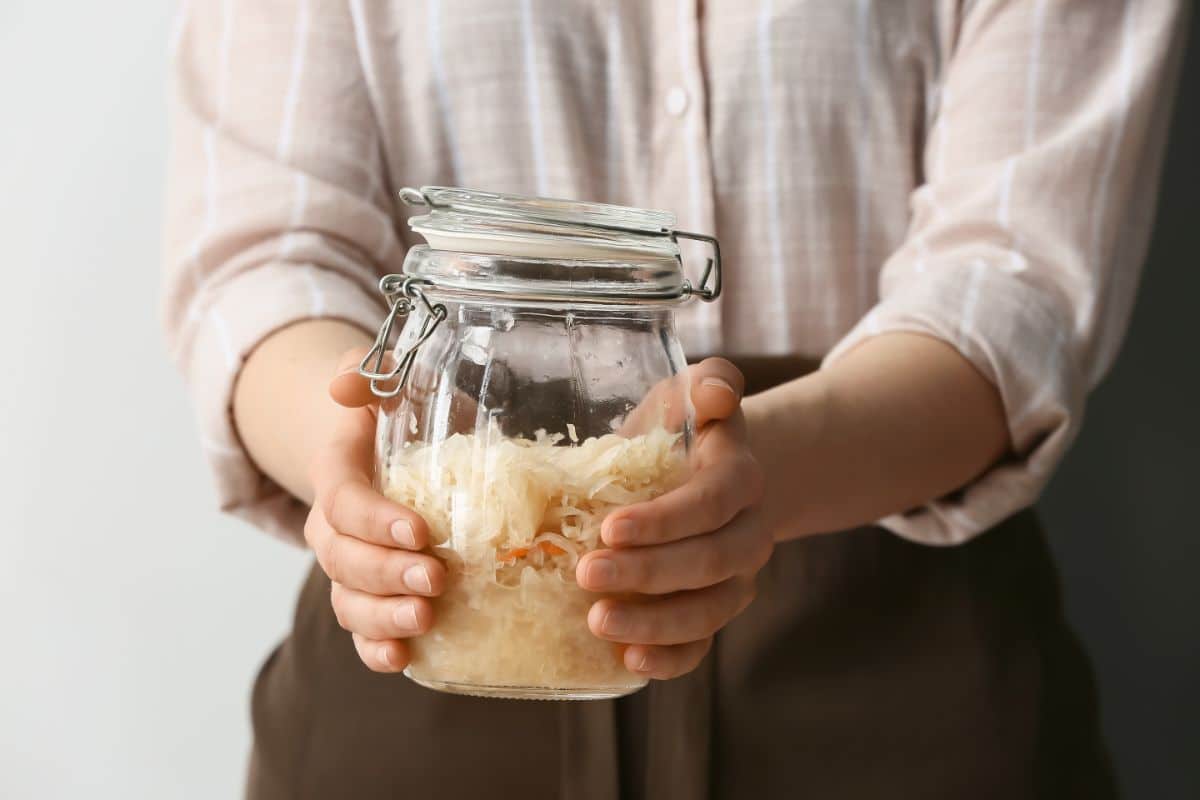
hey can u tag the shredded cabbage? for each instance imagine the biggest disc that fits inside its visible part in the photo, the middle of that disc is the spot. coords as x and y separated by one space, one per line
511 518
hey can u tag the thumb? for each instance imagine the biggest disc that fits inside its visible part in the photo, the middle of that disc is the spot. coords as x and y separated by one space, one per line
716 386
348 388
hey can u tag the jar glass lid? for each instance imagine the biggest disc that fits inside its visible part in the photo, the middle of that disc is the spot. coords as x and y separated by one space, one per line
494 206
543 247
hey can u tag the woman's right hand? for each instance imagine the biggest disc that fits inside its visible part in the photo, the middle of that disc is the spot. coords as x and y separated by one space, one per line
368 545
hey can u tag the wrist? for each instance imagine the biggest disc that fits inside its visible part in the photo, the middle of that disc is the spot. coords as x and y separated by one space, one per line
789 432
281 403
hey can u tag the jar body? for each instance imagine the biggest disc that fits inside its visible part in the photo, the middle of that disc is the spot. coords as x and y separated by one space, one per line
520 426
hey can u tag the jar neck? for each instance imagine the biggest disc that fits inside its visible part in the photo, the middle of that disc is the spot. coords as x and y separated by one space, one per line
483 310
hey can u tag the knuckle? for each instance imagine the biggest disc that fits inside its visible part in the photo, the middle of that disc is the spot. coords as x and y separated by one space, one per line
643 569
712 565
360 648
310 527
337 601
384 617
371 661
647 626
332 559
378 517
708 500
650 525
378 573
335 507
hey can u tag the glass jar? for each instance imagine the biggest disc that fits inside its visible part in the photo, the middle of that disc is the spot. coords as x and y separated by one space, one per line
537 384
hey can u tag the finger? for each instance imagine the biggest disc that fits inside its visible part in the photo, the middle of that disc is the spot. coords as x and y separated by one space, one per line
708 500
713 389
380 570
341 480
676 619
664 662
356 509
716 387
317 531
739 548
388 655
348 387
666 406
380 617
349 452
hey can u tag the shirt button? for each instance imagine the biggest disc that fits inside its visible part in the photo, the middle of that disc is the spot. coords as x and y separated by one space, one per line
677 101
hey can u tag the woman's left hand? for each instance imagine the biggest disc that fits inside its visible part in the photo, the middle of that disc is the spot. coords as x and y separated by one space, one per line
692 553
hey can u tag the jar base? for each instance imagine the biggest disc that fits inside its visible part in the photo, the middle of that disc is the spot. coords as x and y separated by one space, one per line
526 692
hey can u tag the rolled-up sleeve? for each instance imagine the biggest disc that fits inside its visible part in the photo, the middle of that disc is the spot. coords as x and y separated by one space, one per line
277 208
1029 232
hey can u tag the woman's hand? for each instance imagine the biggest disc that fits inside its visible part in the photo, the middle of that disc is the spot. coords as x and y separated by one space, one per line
694 552
367 544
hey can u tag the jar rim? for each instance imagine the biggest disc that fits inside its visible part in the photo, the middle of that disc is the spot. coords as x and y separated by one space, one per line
599 281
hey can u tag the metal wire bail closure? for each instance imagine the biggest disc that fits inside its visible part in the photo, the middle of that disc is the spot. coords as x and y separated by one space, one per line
402 293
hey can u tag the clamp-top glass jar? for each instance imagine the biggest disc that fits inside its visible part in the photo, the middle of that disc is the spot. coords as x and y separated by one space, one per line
537 384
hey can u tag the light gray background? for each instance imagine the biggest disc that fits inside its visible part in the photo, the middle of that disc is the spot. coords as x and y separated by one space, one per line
133 616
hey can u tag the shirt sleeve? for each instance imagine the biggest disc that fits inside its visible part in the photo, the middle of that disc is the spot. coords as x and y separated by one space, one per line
277 208
1028 235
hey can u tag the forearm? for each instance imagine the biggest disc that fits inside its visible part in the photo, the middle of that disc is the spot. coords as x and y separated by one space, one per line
898 421
281 404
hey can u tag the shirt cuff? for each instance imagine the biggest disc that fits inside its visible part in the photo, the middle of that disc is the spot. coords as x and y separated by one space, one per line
1018 336
226 326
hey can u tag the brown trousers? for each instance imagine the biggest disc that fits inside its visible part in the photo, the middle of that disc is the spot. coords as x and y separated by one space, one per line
868 667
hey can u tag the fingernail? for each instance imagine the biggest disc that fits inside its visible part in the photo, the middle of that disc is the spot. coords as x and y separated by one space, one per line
616 622
717 383
600 572
623 531
385 655
417 578
406 616
402 532
644 664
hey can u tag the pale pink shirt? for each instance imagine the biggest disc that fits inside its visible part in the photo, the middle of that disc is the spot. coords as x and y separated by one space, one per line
983 172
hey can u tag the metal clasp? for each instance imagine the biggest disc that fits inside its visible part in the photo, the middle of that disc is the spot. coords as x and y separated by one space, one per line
711 269
402 294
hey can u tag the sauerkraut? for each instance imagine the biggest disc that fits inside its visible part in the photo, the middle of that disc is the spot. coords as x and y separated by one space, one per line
511 518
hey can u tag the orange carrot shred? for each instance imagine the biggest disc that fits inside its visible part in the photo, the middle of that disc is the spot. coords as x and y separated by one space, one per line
511 556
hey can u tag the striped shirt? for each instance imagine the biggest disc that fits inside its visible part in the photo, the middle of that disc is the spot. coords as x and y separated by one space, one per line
981 171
